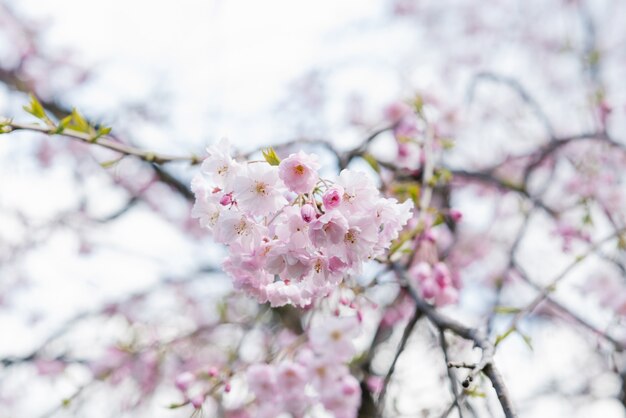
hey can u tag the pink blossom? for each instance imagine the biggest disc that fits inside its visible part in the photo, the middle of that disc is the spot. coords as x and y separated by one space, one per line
49 367
332 338
184 380
375 384
332 197
282 248
205 208
360 193
328 229
292 377
299 172
396 111
227 199
219 165
435 283
262 381
343 398
456 215
257 190
197 401
308 213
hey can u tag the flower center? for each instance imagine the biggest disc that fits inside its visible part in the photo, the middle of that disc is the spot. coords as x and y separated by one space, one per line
299 169
318 266
335 335
261 188
242 228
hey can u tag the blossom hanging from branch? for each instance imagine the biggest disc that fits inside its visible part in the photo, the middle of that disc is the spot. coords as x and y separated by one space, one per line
292 236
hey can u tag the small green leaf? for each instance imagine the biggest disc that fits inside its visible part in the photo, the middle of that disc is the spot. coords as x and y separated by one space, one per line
270 156
447 143
102 131
418 104
506 310
80 124
5 126
36 109
501 338
369 158
621 242
64 123
474 393
111 163
439 219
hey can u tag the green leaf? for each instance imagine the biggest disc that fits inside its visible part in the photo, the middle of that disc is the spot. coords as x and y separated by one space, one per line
447 143
102 131
621 242
64 123
270 156
418 104
407 190
111 163
475 393
439 219
506 310
369 158
36 109
5 126
80 124
501 338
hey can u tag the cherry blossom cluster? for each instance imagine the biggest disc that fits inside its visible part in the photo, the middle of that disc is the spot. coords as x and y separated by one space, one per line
435 283
292 236
305 374
316 375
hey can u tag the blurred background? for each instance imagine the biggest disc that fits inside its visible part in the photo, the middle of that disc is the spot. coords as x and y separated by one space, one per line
93 258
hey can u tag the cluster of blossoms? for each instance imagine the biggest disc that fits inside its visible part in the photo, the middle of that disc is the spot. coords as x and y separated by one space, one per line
306 374
435 283
316 375
405 127
292 237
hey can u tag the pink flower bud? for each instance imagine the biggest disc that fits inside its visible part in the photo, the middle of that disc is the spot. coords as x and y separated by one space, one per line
308 213
227 199
332 197
396 111
197 401
403 150
375 384
227 387
184 380
212 372
456 215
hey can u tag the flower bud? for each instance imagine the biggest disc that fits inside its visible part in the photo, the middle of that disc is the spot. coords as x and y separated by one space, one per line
332 197
227 199
197 401
184 380
308 213
455 215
